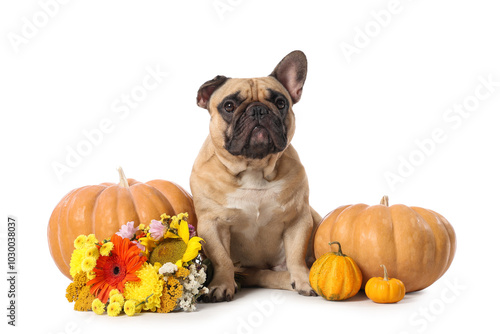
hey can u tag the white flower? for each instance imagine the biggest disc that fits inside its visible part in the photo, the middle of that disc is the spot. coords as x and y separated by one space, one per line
192 269
192 287
184 302
187 304
202 277
167 268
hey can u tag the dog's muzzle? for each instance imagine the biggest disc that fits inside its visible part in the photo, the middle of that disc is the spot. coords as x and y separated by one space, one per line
257 132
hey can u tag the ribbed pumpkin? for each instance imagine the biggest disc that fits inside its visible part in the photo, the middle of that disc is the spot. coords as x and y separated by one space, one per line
103 209
335 276
385 290
417 245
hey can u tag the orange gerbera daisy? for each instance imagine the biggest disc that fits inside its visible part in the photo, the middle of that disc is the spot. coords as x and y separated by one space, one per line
113 271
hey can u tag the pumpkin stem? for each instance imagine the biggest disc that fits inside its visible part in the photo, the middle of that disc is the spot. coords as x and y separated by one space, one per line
123 179
339 253
385 200
386 277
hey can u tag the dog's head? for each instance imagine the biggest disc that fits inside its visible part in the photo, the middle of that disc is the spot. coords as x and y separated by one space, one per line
253 118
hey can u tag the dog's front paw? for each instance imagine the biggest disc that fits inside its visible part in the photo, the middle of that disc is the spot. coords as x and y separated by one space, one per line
303 288
220 291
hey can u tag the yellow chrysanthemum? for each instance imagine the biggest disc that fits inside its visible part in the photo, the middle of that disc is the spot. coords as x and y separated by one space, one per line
80 241
88 264
90 275
117 298
114 309
114 292
97 306
75 264
164 216
91 239
91 251
106 248
149 287
129 307
139 307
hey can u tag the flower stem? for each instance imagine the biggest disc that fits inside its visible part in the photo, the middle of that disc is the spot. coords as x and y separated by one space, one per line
144 301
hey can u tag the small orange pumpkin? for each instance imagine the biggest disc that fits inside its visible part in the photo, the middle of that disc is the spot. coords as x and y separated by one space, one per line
335 276
102 209
385 290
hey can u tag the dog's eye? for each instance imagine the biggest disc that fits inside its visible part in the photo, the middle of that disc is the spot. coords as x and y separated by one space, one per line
280 103
229 106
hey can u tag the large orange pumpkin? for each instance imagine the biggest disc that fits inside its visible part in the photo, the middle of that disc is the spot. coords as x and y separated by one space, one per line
103 209
416 245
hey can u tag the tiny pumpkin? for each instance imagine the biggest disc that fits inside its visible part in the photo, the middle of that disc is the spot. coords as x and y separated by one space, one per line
335 276
385 290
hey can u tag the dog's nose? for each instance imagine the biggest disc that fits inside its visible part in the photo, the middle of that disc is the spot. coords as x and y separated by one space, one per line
258 111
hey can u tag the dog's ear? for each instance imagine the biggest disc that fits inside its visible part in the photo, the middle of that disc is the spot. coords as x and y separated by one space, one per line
207 89
292 72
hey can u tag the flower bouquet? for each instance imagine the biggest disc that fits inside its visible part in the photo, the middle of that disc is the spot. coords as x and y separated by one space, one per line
155 268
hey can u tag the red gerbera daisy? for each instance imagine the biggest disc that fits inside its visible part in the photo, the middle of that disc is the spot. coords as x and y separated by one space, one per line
113 271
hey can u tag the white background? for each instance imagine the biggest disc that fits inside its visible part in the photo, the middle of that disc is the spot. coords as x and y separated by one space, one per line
355 121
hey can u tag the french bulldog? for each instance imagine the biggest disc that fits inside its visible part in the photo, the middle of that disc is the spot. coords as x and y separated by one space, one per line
250 190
